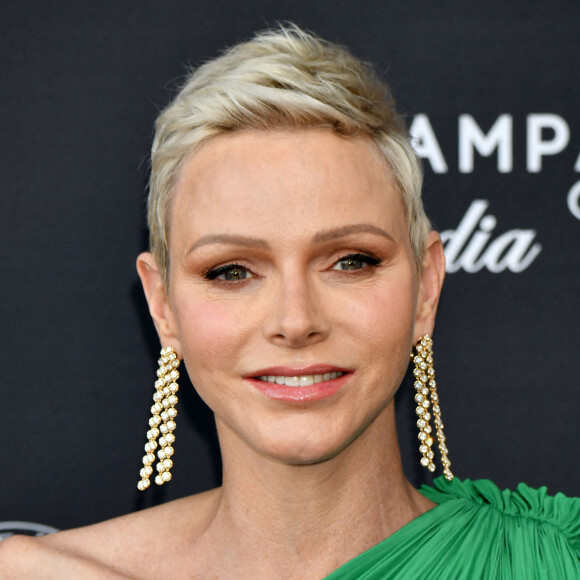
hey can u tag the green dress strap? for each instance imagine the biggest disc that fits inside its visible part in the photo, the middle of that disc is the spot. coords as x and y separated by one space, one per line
478 531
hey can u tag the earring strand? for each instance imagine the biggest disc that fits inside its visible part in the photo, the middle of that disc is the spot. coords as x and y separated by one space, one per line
162 421
426 397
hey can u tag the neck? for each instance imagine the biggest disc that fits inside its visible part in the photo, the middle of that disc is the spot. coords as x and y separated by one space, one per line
314 517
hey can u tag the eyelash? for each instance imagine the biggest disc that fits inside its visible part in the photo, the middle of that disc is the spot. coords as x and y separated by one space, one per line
214 273
366 258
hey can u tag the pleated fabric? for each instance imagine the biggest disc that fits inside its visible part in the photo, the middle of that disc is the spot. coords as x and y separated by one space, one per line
478 531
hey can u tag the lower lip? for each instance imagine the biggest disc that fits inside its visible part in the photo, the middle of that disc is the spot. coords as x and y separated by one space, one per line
314 392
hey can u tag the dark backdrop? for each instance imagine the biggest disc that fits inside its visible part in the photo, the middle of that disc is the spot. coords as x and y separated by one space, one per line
81 85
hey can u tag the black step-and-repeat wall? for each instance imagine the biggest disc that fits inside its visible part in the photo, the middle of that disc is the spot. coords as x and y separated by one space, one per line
491 93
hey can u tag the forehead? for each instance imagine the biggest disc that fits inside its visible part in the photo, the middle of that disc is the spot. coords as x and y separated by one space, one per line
299 178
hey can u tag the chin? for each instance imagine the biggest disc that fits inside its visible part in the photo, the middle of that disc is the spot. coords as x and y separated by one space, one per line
309 448
306 456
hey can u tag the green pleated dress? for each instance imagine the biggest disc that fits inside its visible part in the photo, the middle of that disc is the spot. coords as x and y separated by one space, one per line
478 531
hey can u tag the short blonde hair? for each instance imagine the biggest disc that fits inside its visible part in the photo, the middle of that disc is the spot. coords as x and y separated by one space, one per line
282 78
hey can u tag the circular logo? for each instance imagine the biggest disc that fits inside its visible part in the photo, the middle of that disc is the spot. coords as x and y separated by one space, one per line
8 529
574 200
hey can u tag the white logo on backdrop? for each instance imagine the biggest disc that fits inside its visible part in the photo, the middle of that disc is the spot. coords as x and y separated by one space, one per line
470 247
499 138
467 248
8 529
573 200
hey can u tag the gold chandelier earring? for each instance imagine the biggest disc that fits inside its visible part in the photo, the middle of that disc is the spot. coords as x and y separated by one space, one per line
426 397
162 421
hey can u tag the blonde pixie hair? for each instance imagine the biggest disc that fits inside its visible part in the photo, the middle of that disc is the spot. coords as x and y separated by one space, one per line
281 79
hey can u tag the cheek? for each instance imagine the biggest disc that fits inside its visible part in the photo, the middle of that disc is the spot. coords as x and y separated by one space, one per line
383 314
385 338
383 322
209 332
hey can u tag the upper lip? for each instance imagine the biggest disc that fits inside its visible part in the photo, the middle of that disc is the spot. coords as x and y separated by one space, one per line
293 371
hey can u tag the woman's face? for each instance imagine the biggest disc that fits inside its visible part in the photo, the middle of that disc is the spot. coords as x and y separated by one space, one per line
290 257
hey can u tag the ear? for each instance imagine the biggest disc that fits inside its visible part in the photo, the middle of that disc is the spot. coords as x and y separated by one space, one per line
159 306
430 283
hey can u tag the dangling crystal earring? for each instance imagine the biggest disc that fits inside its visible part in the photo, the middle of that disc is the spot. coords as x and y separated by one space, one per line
426 387
162 421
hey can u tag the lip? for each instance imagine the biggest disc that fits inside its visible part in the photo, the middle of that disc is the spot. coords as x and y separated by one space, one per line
313 392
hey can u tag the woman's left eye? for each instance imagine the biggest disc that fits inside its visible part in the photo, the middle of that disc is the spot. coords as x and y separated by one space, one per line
356 262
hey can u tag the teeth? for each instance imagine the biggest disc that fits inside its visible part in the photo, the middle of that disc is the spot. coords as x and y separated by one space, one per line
300 380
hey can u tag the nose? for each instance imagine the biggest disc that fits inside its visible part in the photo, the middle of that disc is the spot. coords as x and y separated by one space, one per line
296 318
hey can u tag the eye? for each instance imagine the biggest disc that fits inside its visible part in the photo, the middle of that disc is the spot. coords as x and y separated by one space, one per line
356 262
229 273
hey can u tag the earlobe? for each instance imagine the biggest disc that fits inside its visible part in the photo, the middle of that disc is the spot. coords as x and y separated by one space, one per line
430 283
159 307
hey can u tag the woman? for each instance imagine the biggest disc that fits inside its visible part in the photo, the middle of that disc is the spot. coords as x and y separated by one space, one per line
292 269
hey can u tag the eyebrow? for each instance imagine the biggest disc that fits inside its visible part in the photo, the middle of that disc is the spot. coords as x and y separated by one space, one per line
229 239
343 231
321 237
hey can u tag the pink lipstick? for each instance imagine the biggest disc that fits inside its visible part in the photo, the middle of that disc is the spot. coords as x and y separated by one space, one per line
299 383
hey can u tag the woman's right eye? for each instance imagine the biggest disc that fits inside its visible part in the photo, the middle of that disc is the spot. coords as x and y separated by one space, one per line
229 273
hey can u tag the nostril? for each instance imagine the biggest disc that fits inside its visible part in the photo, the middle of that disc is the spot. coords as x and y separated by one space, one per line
295 317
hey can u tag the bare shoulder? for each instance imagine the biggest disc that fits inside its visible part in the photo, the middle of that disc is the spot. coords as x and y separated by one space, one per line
24 558
121 548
